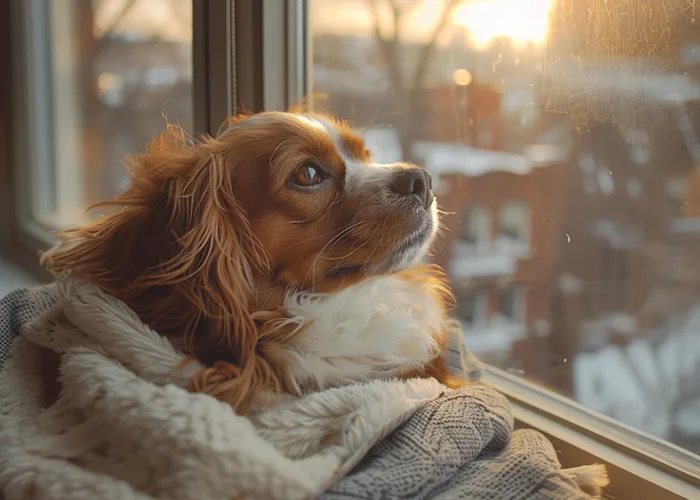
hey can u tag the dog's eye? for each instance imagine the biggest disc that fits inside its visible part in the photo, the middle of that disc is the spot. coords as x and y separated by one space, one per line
308 175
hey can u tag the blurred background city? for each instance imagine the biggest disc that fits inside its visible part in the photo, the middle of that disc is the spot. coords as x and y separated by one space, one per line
563 137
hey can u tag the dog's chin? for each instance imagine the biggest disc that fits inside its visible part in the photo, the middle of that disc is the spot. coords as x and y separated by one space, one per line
413 248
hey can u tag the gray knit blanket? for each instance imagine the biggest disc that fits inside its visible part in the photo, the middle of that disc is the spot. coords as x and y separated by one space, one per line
431 443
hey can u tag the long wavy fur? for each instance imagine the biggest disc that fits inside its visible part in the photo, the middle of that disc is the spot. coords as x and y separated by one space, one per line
193 258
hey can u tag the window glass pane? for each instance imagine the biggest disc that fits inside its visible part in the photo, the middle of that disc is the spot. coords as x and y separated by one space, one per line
564 136
102 74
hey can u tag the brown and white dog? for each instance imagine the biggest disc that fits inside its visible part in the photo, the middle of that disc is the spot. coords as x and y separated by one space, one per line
278 254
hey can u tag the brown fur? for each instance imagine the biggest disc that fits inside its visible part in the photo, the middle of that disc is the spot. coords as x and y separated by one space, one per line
434 280
207 238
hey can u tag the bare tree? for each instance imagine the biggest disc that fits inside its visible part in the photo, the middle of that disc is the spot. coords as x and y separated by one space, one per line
407 86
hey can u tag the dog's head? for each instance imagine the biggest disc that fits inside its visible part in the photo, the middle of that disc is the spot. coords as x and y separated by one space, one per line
210 236
326 215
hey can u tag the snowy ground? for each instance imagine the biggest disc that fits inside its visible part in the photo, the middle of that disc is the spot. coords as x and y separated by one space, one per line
653 388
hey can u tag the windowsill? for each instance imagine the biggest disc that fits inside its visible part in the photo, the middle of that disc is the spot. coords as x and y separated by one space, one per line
14 277
638 463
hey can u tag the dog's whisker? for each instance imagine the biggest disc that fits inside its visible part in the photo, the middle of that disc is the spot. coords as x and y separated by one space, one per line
320 253
313 238
346 255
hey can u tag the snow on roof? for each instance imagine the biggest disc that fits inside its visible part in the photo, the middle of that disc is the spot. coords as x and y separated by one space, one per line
544 154
442 158
618 236
472 162
686 225
640 80
491 339
482 266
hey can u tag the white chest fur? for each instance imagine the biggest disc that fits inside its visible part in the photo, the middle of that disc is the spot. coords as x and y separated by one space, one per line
380 328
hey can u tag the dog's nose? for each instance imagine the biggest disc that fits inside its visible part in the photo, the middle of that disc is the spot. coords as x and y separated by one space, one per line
414 182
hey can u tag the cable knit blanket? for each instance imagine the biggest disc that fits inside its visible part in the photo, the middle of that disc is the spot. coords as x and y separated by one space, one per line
123 428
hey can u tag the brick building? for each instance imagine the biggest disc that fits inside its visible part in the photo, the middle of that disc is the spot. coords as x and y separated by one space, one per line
501 248
575 244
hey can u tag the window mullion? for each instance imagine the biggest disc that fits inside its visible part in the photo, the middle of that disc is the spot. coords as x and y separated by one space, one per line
213 47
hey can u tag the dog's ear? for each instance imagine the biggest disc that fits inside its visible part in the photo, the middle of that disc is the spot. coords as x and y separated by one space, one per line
180 251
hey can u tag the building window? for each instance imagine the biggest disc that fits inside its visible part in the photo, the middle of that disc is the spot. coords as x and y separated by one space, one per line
472 305
476 226
513 221
513 227
511 304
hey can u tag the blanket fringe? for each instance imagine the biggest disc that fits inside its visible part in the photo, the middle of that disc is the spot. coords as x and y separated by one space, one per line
592 479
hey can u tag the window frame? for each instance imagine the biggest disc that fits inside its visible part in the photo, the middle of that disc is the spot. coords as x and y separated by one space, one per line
220 32
21 238
242 62
630 453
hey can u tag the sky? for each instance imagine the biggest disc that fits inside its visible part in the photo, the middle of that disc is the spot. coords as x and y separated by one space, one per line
167 19
522 20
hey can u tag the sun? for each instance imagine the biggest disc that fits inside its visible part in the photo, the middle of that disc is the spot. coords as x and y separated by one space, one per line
521 20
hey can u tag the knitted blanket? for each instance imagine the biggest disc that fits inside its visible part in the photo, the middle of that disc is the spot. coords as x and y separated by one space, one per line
125 427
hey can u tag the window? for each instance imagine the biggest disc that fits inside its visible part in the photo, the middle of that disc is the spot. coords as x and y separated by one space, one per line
577 122
511 304
472 305
102 76
476 227
513 227
564 133
513 221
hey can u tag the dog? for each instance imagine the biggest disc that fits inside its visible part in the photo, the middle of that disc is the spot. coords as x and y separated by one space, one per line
260 251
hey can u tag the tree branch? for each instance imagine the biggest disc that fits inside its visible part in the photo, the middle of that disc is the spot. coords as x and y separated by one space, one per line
388 46
104 41
427 51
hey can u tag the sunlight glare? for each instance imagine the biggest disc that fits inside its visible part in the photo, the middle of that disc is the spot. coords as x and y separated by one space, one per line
462 77
521 20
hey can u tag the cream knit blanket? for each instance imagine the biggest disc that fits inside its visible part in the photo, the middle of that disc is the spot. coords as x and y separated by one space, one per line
124 428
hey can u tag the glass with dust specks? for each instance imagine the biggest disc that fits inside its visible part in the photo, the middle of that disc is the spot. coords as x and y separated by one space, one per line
564 142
